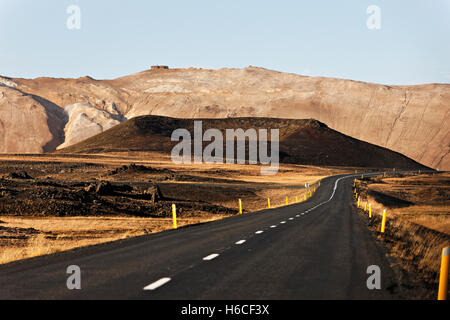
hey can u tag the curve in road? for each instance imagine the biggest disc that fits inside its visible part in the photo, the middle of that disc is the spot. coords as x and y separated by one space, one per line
318 249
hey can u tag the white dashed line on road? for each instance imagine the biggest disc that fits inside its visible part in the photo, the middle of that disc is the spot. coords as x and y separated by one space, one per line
210 257
155 285
161 282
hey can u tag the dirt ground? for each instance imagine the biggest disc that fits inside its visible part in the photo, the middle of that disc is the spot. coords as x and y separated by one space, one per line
54 203
418 222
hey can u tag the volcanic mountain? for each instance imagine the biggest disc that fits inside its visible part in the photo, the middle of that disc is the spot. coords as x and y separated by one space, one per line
40 115
301 141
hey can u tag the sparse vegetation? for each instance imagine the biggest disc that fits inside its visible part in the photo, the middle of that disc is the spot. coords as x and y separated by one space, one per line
57 203
418 224
22 237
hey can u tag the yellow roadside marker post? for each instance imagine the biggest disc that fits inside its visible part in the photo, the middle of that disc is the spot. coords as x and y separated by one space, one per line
240 206
443 278
359 201
174 216
370 210
304 196
383 222
268 202
287 201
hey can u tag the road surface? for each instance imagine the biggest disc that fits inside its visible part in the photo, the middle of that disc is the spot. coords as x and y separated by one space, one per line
318 249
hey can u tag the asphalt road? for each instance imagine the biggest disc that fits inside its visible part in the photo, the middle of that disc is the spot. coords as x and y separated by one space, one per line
318 249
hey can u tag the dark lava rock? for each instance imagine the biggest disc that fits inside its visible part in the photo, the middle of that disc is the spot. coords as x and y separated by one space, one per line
136 168
103 188
153 193
19 175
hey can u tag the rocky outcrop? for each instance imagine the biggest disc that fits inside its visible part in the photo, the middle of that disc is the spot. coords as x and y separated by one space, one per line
86 121
101 188
153 193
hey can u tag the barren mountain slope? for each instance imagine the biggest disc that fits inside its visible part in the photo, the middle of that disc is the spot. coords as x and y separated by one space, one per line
29 124
301 141
408 119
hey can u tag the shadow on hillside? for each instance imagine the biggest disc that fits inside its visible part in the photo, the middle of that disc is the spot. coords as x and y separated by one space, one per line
389 201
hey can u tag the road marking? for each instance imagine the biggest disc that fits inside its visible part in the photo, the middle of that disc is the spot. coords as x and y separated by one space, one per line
335 188
210 257
298 216
163 281
259 232
155 285
291 218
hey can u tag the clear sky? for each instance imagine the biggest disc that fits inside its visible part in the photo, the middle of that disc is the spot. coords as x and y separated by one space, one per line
315 37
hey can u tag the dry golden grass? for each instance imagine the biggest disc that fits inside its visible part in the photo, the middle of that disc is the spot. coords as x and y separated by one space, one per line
278 197
416 233
427 194
440 223
61 234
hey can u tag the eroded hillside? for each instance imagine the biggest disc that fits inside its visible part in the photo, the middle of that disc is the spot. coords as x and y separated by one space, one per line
407 119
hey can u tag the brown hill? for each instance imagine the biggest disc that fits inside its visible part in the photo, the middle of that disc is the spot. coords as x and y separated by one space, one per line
408 119
301 141
29 124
